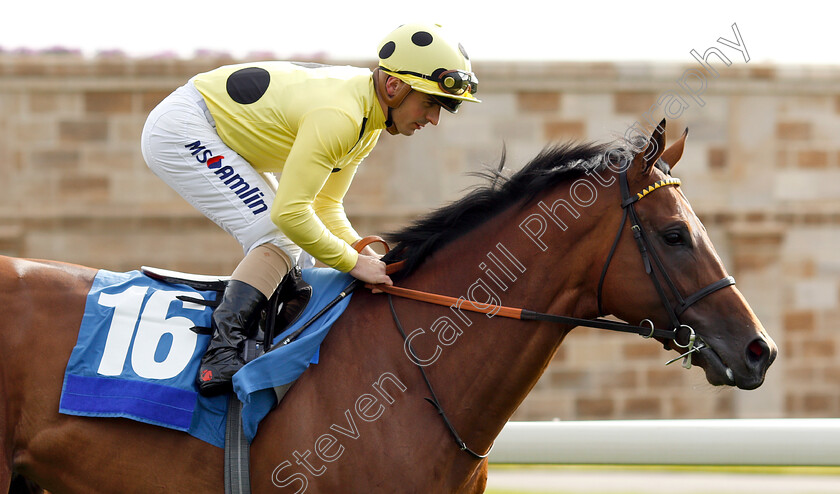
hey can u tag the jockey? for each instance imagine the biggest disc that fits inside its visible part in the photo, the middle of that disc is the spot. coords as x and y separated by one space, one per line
219 139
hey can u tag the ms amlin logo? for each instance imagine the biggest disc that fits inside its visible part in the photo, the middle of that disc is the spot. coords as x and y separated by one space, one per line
251 196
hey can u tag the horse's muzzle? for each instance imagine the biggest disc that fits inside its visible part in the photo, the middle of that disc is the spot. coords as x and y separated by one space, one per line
748 373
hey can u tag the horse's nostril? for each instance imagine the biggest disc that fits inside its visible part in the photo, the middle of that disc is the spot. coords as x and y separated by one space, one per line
758 352
756 349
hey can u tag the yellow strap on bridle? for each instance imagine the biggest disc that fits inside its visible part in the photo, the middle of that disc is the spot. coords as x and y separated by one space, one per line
661 183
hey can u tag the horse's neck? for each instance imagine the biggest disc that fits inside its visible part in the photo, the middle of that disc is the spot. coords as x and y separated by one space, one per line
486 373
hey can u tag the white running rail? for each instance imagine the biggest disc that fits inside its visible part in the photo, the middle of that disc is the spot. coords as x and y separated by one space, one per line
772 442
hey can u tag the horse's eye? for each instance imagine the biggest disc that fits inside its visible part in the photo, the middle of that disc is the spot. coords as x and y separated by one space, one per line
673 238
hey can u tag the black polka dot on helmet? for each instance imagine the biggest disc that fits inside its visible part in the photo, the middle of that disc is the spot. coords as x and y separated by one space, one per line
387 49
422 38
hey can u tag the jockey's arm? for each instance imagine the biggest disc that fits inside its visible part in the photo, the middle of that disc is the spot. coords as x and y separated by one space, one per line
307 182
329 203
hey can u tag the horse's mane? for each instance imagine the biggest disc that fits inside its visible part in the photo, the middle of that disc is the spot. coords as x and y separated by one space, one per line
552 166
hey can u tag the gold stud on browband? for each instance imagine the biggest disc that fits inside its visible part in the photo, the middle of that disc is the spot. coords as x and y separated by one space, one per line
661 183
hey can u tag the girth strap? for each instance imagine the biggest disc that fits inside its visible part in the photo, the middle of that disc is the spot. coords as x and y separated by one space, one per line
237 447
237 451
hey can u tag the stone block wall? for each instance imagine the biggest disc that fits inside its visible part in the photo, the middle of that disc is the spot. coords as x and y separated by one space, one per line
761 168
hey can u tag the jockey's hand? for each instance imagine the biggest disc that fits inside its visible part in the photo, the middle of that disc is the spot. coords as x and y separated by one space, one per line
370 252
370 270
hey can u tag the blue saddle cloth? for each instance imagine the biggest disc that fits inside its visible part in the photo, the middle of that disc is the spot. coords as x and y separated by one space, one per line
135 356
254 384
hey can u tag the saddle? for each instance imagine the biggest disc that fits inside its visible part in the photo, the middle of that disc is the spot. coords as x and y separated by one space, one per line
284 308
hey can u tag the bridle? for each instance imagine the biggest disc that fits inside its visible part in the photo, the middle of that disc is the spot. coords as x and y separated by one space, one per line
646 328
628 202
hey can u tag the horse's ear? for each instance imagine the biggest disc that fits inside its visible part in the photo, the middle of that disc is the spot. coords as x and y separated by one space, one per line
645 159
674 152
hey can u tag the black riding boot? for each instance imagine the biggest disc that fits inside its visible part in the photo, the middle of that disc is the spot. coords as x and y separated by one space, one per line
240 306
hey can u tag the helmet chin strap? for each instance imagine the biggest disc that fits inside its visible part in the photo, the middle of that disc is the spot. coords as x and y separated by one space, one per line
380 77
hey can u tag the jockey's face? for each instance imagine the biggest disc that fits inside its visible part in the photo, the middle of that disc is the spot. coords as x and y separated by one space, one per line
416 110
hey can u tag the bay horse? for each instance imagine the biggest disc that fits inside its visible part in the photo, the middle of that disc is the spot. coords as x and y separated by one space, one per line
562 236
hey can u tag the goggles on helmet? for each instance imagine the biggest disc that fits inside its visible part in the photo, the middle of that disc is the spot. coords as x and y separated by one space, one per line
455 82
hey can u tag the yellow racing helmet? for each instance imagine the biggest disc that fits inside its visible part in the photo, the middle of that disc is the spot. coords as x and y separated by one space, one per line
422 56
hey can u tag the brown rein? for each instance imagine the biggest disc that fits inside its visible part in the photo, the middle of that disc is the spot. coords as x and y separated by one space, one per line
499 310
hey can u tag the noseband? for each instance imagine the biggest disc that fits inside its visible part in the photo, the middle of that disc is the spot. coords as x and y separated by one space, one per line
648 253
